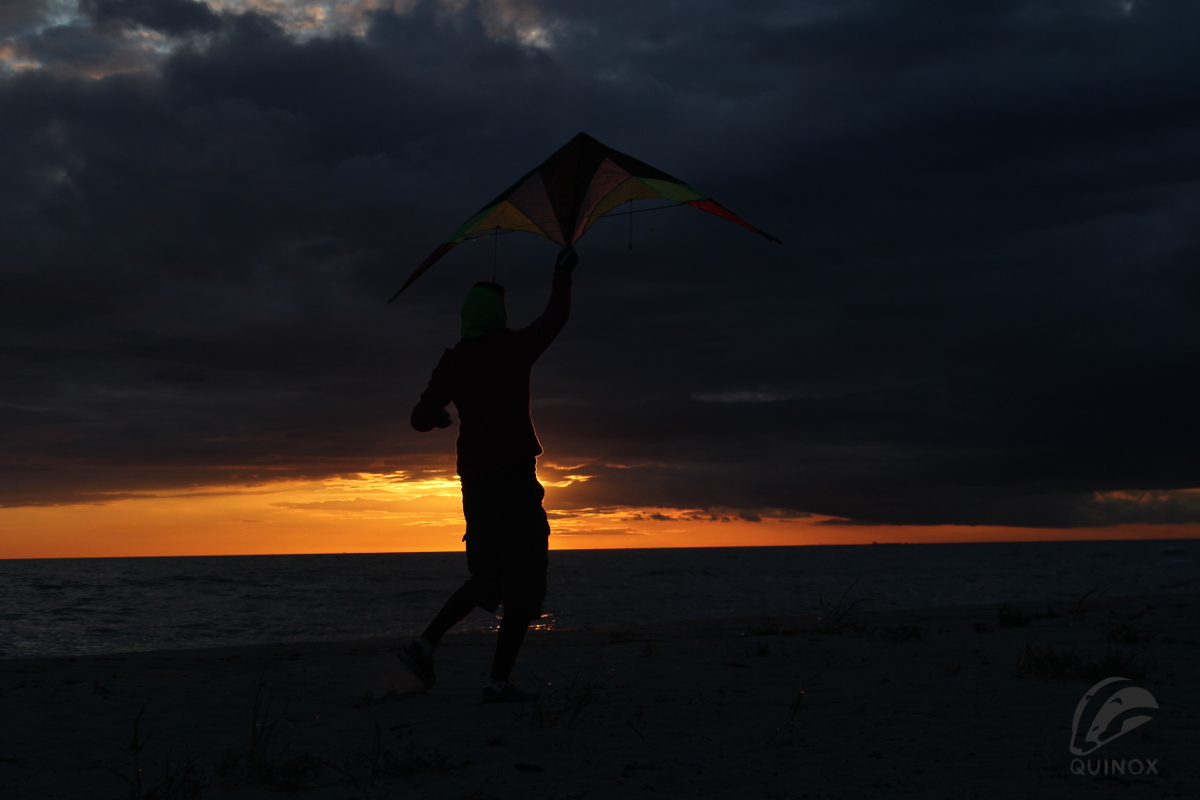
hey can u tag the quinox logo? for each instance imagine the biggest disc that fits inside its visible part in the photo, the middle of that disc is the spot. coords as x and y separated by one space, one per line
1106 712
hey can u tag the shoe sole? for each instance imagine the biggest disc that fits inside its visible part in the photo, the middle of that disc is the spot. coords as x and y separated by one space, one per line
415 669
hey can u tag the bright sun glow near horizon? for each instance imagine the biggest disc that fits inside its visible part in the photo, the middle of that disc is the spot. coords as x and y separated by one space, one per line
375 513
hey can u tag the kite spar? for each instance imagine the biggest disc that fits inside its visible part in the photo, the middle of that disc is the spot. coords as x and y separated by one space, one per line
568 192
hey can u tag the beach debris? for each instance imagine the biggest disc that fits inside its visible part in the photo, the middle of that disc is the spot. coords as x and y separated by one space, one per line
378 698
1009 616
1125 632
1176 640
770 628
903 633
1068 664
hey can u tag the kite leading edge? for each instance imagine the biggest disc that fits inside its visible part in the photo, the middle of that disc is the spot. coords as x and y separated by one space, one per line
568 192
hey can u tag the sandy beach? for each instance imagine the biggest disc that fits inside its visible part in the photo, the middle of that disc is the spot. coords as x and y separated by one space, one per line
956 703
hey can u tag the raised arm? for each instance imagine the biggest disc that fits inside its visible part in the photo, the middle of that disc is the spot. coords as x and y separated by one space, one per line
541 331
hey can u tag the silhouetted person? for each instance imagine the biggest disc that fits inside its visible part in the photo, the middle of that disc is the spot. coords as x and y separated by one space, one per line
486 376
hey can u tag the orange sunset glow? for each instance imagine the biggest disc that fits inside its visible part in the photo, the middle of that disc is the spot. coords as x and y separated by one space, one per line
243 234
374 513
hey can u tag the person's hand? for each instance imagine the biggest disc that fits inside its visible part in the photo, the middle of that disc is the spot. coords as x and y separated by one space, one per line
443 420
567 259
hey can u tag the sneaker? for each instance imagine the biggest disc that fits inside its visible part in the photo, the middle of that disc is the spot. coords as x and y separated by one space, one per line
413 656
509 694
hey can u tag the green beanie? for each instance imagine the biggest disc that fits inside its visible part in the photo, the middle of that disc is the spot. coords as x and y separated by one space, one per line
482 312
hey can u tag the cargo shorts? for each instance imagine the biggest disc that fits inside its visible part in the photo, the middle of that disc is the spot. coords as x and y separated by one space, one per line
507 539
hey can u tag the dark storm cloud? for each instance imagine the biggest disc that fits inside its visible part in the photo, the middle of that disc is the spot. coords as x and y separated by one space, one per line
15 15
986 311
172 17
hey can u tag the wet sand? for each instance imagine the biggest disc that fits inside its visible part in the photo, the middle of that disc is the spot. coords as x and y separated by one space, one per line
967 702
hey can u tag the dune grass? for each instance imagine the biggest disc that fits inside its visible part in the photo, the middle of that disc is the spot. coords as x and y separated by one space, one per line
566 706
843 614
267 758
176 779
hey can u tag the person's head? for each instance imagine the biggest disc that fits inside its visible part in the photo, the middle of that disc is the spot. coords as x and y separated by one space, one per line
483 310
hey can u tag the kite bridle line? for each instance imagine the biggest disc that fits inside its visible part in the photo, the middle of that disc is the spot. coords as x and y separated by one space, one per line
535 226
495 254
496 233
630 212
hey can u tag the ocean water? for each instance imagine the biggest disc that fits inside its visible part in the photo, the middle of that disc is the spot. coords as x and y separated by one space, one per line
81 606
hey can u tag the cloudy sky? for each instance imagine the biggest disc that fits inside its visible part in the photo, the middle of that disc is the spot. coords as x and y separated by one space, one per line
985 314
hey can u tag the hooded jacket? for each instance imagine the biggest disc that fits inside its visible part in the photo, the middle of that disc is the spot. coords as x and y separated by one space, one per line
486 376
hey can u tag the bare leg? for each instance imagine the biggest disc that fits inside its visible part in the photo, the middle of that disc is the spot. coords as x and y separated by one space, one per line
508 644
461 603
